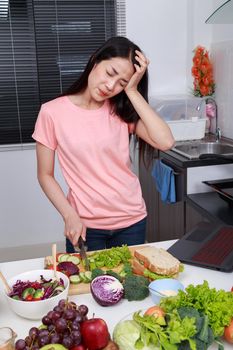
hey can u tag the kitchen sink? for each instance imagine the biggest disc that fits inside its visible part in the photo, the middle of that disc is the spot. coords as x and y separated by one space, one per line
194 149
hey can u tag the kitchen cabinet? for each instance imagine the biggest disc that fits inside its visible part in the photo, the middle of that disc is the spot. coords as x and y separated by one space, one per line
167 221
172 221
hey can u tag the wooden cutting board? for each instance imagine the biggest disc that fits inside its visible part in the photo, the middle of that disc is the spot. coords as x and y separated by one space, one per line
83 288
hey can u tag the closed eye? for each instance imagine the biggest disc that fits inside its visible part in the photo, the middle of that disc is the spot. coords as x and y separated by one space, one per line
109 73
123 84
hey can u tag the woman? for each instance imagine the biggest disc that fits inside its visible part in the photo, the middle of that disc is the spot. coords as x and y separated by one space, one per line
89 128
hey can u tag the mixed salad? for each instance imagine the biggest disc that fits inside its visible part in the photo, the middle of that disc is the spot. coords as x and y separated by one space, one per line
37 290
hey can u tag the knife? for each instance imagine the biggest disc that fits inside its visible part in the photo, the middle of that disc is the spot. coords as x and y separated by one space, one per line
82 250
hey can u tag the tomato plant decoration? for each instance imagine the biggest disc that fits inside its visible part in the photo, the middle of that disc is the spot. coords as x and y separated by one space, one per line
202 72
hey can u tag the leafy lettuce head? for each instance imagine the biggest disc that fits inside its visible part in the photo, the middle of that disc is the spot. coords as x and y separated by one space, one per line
125 335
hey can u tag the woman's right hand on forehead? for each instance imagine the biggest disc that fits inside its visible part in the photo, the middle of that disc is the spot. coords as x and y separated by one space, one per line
140 69
74 228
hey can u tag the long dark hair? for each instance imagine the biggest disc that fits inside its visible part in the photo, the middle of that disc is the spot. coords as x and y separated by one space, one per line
117 47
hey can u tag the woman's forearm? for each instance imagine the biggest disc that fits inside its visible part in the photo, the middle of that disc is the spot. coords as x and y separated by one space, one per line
157 129
56 195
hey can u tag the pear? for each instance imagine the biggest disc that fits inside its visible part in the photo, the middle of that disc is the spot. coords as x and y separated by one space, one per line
53 347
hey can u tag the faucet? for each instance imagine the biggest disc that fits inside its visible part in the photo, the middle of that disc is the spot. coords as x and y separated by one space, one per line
217 129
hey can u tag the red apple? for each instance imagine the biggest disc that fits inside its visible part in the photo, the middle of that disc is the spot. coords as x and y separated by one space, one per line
94 333
79 347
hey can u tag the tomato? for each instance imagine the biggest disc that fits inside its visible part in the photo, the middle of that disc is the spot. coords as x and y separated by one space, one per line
155 311
231 289
228 332
29 297
35 285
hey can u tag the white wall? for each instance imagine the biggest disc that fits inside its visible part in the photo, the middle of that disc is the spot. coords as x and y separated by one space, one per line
159 28
26 215
167 31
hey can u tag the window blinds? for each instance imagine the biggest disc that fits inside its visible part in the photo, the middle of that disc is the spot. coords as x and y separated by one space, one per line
44 47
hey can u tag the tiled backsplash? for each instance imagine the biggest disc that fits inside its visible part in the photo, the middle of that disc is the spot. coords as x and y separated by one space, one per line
222 55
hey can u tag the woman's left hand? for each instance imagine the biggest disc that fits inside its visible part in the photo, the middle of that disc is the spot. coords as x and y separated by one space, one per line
141 67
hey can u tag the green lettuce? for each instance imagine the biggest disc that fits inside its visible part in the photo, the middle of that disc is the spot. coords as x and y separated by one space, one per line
126 334
216 304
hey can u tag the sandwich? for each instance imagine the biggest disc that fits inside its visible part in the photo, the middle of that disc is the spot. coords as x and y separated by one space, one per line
155 263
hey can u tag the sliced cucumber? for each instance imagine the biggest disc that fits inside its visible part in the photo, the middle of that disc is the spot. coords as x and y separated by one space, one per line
74 259
85 276
82 276
75 279
88 276
63 257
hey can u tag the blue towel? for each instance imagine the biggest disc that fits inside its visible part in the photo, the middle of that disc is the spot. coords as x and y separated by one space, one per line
165 181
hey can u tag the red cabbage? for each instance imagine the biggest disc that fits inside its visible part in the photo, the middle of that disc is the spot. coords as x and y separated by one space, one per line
19 287
106 290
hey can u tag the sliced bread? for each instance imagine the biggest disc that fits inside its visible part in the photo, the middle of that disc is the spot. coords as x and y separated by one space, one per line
138 268
158 260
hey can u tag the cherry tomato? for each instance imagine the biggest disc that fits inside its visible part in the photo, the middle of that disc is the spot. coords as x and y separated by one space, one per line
155 311
228 332
35 285
29 297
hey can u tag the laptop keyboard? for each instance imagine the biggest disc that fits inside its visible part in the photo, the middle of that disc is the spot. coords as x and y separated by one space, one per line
217 249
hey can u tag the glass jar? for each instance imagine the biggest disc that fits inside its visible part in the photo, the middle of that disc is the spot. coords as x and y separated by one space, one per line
7 338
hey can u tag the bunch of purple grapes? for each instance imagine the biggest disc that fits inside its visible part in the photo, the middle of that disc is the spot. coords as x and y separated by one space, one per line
60 326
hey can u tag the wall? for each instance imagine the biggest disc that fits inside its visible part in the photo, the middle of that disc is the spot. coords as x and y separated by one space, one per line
222 52
26 215
167 31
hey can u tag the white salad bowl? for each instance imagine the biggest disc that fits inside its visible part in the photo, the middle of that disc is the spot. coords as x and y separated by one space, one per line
166 286
35 310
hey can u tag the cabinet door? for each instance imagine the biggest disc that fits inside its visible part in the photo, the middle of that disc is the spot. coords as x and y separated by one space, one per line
167 221
151 198
171 220
164 221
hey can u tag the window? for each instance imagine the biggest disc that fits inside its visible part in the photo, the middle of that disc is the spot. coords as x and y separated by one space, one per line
44 47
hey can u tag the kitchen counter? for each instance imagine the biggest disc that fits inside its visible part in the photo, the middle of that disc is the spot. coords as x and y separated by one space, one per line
111 314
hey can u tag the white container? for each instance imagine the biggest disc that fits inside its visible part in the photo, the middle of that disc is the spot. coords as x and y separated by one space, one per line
186 116
35 310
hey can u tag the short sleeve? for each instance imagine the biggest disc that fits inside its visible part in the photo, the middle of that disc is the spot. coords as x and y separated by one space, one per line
44 131
132 128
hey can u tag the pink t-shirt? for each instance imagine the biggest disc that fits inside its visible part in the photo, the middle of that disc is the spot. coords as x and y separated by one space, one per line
93 151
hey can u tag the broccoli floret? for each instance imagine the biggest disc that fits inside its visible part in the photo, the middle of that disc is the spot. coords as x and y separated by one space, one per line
114 274
135 287
96 272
